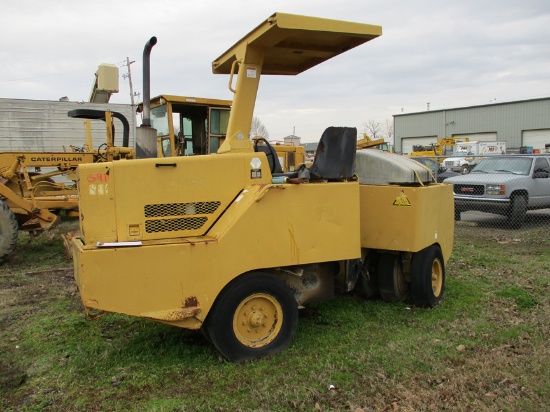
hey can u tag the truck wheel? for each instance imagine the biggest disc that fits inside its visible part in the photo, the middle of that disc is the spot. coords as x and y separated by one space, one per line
518 209
392 284
8 231
427 277
458 215
255 316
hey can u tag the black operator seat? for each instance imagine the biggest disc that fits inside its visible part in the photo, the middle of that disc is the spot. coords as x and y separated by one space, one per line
335 156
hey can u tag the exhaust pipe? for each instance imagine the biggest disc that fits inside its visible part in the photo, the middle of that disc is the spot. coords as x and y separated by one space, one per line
146 136
147 81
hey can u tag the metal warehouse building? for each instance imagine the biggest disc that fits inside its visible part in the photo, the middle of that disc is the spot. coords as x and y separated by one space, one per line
43 125
519 123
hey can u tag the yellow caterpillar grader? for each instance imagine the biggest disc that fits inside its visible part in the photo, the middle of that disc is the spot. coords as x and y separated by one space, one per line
35 186
228 244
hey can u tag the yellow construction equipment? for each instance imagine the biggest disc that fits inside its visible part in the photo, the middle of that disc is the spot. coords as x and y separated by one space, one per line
189 126
35 186
290 157
224 243
185 126
437 151
367 142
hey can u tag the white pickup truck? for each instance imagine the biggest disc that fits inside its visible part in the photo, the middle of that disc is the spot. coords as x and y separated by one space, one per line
507 185
468 154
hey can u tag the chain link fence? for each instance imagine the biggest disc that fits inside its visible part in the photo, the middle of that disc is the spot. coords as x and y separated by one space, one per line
507 192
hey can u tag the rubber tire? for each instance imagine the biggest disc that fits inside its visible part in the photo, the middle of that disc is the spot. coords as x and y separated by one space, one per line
392 285
8 231
518 209
425 290
220 321
204 333
367 287
458 215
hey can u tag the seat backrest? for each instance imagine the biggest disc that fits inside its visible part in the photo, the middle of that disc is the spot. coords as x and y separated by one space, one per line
335 156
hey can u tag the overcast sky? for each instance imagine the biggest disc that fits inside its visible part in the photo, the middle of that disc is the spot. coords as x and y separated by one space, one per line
447 54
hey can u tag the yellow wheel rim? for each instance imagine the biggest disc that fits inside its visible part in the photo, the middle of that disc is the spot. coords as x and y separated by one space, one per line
258 320
437 277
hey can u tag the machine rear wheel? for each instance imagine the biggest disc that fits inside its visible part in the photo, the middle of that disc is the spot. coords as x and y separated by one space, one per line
8 231
427 277
392 284
255 316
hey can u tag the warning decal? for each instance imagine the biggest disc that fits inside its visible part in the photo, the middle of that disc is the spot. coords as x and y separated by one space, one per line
251 72
402 200
256 163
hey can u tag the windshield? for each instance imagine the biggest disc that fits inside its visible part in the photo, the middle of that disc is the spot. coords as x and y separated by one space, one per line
159 120
461 153
517 166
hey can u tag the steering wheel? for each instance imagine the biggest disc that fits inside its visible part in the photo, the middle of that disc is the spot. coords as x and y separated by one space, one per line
271 152
102 157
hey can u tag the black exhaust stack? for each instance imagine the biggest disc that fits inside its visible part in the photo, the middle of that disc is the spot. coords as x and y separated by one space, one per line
146 136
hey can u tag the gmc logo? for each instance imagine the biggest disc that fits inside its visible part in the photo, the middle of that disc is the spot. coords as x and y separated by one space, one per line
467 190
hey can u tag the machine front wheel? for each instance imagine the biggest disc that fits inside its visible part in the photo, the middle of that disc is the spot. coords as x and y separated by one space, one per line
255 316
427 277
8 231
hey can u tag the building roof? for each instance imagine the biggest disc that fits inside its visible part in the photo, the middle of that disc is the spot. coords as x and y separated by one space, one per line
473 107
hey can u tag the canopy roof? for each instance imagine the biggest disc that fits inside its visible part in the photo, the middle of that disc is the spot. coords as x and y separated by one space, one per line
293 44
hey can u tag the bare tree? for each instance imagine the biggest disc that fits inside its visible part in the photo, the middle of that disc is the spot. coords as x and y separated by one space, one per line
378 130
257 128
373 129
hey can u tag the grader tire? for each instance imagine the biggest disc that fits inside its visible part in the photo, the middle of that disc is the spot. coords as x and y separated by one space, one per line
8 231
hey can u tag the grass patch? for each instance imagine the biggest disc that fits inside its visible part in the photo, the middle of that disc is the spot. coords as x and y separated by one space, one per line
523 298
484 348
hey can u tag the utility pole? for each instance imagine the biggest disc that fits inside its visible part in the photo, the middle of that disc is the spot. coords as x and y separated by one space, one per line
129 76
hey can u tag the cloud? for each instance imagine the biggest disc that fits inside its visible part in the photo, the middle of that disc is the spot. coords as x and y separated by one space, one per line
449 54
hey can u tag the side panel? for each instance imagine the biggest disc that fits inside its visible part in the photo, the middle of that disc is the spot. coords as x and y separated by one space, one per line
96 186
266 226
167 198
408 219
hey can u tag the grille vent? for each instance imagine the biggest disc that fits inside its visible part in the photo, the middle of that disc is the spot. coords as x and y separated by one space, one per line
173 225
179 209
476 190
